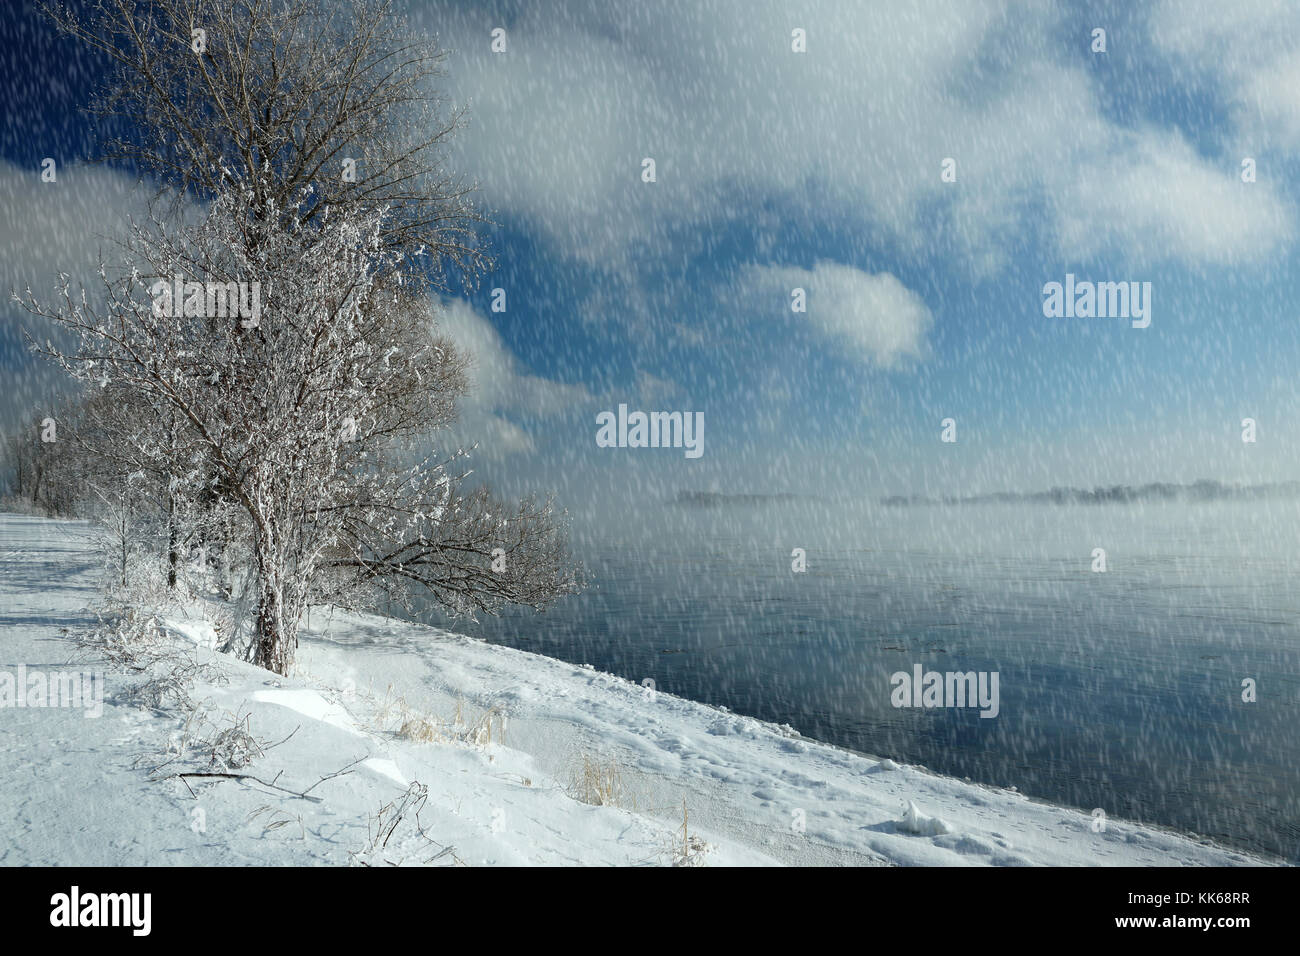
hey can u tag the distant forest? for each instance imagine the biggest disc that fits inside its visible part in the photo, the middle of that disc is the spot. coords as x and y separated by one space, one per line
1115 494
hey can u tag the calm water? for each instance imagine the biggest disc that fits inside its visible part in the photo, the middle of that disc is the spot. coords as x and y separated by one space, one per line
1119 690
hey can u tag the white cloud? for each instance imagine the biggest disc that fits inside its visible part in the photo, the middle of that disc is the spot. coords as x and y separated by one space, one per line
1157 199
501 383
45 229
1249 50
875 318
63 226
856 126
501 387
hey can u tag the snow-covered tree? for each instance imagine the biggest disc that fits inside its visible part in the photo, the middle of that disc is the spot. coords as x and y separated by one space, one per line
302 409
309 134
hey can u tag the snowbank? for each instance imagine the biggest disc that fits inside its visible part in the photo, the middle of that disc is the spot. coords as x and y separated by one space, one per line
395 743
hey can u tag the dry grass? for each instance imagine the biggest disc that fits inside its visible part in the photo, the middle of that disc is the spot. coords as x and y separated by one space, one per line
686 848
395 715
598 781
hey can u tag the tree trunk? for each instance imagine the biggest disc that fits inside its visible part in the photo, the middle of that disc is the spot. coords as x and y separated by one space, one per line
273 651
277 619
173 558
124 529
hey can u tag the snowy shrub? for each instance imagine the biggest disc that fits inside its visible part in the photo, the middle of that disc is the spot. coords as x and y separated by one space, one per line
133 639
233 748
125 635
169 688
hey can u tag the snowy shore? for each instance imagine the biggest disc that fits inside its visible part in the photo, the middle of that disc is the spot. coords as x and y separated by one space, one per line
501 753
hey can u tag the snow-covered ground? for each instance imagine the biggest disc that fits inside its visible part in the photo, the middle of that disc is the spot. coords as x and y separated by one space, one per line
486 744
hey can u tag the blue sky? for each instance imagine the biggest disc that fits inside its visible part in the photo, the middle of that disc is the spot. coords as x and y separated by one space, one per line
821 170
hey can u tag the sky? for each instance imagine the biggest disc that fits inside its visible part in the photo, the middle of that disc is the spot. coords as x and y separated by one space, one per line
821 170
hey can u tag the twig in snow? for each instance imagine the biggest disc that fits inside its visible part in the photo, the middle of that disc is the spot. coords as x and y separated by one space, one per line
304 795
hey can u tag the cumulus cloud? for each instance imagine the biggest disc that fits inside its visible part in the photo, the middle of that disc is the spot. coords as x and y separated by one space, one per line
857 126
873 318
1249 51
503 391
62 226
561 122
47 228
1157 199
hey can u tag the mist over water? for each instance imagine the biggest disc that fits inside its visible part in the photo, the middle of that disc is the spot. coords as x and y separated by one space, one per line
1119 690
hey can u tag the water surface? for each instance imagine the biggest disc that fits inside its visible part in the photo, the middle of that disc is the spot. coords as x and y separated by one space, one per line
1120 690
